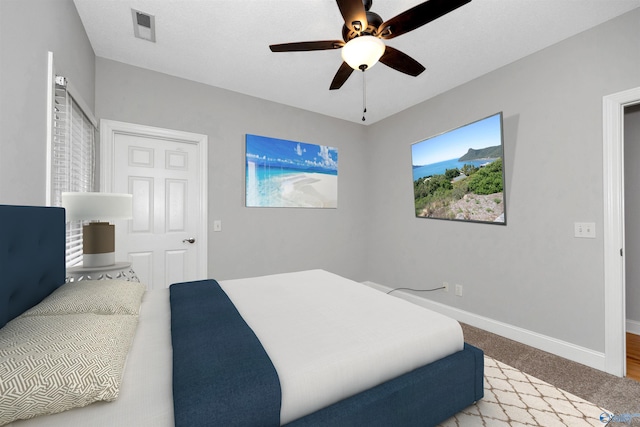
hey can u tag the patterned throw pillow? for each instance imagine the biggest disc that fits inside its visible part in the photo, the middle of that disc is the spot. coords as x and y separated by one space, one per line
92 296
49 364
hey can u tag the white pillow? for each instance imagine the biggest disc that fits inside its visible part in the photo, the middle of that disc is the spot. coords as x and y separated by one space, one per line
49 364
92 296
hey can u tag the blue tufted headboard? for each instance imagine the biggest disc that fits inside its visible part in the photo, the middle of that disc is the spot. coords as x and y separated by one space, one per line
32 257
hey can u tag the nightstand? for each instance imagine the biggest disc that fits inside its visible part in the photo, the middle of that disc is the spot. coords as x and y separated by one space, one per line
120 270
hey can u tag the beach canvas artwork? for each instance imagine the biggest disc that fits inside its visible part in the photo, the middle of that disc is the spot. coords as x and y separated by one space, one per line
459 175
282 173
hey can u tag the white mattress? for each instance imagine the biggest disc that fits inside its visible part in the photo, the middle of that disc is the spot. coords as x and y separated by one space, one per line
355 338
330 338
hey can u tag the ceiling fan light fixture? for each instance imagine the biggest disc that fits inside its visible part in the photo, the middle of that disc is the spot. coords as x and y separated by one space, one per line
363 52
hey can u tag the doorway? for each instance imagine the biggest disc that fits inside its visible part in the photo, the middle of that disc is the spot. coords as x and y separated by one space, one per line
613 228
166 171
631 143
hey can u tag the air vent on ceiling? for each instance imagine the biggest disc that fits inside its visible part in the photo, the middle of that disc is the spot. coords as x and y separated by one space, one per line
144 25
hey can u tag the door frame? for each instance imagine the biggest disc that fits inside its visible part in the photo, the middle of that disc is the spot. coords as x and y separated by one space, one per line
613 229
110 128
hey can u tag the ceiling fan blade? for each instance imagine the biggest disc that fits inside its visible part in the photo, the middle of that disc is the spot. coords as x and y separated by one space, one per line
341 76
354 14
417 16
307 46
401 62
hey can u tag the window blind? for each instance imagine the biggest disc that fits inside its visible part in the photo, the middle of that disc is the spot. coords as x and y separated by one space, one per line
73 160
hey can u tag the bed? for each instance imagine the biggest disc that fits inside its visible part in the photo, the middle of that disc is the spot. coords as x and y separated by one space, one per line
227 352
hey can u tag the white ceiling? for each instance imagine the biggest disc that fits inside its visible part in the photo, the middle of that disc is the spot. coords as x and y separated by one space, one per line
225 43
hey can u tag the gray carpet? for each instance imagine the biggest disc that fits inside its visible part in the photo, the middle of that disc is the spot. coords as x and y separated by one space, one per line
618 395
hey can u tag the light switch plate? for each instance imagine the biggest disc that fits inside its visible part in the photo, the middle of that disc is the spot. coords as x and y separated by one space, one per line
585 230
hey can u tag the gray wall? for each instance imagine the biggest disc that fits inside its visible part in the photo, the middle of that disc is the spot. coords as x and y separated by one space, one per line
254 241
531 273
632 212
28 30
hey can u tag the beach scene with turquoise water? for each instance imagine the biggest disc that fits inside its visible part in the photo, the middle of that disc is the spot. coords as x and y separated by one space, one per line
282 173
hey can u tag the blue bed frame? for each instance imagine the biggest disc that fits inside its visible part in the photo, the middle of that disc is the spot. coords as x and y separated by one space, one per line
32 262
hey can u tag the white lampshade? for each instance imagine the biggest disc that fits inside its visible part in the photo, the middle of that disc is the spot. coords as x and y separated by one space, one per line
97 206
363 50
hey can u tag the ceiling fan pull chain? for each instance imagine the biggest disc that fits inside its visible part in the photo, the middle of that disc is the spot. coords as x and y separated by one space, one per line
364 96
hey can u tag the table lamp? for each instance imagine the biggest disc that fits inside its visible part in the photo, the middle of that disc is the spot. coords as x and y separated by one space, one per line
98 236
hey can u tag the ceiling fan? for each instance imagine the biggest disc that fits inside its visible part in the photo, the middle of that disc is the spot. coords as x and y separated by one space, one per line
363 32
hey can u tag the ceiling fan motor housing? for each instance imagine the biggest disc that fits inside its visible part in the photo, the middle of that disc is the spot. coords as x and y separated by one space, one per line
374 21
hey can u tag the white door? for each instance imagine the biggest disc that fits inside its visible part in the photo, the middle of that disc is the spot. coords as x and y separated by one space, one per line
166 239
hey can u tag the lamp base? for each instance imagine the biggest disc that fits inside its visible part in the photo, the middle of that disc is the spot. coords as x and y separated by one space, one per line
99 260
98 244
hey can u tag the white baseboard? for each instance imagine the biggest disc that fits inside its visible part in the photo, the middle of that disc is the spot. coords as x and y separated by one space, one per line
560 348
633 327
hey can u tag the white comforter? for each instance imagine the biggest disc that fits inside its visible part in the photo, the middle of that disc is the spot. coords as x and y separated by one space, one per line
330 338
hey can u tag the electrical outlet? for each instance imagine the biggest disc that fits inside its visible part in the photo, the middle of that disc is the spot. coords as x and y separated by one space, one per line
459 290
445 285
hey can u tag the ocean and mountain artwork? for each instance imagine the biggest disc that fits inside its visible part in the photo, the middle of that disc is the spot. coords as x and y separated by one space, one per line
459 175
282 173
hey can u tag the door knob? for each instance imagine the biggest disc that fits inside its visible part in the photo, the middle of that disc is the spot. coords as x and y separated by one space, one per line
189 240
